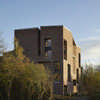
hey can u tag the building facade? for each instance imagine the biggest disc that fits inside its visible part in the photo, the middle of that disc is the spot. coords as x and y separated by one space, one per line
55 48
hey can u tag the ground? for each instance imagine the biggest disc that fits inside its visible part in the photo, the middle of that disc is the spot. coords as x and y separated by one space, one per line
73 98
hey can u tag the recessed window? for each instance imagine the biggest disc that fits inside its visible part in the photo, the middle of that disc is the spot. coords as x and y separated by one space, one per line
48 50
77 75
74 82
79 59
47 42
69 73
48 53
65 49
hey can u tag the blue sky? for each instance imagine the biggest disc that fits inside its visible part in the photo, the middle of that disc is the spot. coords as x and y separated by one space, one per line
82 17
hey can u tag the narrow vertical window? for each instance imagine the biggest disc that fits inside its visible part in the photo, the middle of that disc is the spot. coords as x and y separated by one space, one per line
65 49
79 59
48 50
69 73
77 75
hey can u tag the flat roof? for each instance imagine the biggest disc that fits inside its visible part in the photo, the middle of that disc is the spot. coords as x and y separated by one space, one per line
27 28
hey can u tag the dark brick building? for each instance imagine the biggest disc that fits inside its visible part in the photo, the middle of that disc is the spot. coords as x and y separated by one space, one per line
54 47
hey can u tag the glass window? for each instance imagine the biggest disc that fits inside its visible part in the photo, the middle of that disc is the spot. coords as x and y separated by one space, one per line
48 50
48 43
79 59
69 73
77 75
65 49
49 53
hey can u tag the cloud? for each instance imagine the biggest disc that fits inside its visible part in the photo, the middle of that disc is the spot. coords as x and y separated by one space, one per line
97 30
89 39
90 48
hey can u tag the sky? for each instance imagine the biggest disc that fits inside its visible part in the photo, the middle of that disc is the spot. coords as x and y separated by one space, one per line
82 17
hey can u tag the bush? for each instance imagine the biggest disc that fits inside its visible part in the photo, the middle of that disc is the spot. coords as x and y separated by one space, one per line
91 82
21 79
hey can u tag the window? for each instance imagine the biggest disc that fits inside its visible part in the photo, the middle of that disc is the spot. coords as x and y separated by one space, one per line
74 82
69 73
47 42
79 59
48 51
65 89
77 75
65 49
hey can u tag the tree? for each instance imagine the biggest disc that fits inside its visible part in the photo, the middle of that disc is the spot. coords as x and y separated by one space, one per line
91 82
21 79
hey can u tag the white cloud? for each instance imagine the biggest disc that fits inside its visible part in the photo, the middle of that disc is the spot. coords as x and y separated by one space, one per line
97 30
90 48
89 39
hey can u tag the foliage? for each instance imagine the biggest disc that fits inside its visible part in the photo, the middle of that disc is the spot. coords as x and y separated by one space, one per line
57 72
21 79
91 82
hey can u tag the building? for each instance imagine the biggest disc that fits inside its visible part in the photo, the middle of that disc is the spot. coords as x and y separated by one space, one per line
54 47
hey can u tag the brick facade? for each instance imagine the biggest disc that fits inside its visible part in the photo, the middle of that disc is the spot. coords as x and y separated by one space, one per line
34 42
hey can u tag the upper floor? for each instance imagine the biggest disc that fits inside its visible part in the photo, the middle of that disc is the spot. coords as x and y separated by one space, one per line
49 43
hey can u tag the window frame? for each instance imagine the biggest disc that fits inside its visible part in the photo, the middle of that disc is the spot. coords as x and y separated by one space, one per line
47 48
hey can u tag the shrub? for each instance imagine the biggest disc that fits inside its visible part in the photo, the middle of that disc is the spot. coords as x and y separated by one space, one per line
21 79
91 82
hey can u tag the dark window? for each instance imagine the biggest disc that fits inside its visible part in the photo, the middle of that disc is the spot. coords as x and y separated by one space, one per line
65 49
48 49
65 90
69 73
74 82
77 75
79 60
